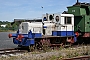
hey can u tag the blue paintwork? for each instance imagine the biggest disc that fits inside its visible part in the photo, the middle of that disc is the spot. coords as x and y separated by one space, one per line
30 34
69 33
27 40
25 35
44 26
14 35
63 33
54 33
24 42
36 35
15 41
32 41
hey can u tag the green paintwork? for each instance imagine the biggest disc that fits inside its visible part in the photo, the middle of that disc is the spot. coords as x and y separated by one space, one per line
76 10
81 17
79 21
82 11
89 9
87 23
83 22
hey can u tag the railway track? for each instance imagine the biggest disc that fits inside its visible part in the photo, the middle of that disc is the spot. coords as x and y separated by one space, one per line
16 51
12 51
79 58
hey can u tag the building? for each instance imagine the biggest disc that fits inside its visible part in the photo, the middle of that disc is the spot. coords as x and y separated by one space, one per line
3 25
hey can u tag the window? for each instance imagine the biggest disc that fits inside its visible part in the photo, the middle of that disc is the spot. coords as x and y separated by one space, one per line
57 18
51 17
68 20
44 19
23 27
73 10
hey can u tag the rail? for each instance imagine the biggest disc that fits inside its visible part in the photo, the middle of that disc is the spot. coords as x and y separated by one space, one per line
11 51
78 58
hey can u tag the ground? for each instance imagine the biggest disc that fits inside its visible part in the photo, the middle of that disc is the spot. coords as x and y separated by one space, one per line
56 54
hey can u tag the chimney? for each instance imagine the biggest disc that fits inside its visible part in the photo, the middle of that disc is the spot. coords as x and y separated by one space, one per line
77 1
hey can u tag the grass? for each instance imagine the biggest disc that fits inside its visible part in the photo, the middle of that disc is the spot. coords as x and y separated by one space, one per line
6 31
61 53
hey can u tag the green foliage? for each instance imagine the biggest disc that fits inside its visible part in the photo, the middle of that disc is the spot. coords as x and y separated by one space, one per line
4 22
14 26
10 26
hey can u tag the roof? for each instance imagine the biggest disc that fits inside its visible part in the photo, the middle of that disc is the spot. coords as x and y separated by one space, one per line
28 20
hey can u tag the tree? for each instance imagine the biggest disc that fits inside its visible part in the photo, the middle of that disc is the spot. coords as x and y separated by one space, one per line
8 25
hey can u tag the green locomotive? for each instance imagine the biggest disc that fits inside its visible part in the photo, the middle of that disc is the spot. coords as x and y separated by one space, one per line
81 12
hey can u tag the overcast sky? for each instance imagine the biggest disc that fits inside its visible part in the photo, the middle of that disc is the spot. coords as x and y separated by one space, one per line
30 9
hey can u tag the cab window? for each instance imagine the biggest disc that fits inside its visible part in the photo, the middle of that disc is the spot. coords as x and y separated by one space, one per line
68 20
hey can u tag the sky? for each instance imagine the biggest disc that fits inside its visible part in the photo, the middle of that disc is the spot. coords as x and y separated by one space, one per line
32 9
